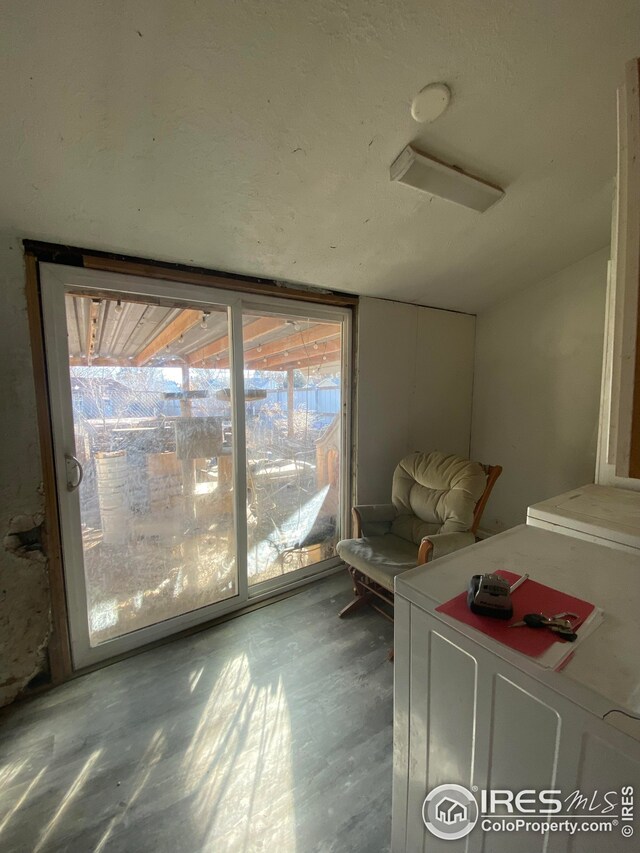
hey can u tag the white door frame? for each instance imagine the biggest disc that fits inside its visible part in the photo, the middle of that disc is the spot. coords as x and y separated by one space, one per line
56 280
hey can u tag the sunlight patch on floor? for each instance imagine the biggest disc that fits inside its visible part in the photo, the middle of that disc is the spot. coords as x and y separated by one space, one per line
239 755
69 796
146 765
21 800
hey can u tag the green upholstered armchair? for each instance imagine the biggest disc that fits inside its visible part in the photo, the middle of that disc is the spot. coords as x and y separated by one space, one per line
437 503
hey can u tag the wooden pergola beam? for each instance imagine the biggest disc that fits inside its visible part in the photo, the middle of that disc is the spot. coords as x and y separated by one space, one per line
311 361
298 340
329 351
185 320
271 355
320 332
253 330
210 350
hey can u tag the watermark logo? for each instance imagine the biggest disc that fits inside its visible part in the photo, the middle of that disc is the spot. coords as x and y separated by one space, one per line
450 812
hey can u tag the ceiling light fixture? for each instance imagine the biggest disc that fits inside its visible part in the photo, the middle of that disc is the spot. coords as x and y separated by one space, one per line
426 173
203 322
430 102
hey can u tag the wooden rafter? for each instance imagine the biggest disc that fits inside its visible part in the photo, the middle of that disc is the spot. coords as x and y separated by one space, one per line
106 361
297 340
92 329
329 350
320 332
185 320
253 330
287 353
199 356
309 361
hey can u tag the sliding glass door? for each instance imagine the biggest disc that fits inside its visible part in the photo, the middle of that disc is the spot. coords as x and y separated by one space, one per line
154 443
199 447
294 434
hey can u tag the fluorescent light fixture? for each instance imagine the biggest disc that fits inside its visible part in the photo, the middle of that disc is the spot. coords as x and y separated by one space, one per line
432 176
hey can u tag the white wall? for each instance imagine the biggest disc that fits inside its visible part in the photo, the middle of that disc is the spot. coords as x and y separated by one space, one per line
537 388
24 593
414 380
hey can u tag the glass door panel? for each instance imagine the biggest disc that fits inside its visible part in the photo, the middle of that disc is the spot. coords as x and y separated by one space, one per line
152 422
294 428
177 496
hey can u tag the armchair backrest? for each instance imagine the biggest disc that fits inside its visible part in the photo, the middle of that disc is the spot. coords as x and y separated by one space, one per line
436 493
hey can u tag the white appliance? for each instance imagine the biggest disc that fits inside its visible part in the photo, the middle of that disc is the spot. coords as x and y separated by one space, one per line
601 514
471 711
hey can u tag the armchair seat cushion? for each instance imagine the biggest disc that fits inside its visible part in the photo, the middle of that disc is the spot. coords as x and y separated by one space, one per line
435 493
380 558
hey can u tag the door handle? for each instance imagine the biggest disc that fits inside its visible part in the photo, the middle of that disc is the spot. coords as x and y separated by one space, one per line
70 459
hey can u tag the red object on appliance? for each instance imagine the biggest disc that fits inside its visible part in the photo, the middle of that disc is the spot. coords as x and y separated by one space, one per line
531 597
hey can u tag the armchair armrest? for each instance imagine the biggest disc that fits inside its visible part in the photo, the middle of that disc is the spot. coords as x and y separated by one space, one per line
440 544
372 519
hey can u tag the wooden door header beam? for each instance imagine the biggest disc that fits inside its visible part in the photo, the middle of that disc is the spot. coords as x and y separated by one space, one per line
55 253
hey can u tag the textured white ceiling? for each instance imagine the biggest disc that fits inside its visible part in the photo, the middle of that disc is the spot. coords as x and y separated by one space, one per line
256 136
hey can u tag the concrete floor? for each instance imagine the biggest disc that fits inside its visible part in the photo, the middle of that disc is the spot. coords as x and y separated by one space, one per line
272 732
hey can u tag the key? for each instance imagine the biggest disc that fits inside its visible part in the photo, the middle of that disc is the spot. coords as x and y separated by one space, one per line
533 620
538 620
565 633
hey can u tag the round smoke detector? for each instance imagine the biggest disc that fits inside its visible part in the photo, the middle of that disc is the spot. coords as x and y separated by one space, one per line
431 102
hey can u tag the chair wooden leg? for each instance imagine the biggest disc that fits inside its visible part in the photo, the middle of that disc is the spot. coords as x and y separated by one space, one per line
358 602
367 591
357 588
362 595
